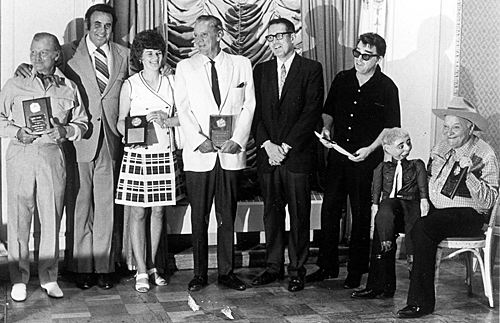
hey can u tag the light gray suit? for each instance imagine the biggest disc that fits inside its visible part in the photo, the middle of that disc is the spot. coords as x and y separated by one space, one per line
90 205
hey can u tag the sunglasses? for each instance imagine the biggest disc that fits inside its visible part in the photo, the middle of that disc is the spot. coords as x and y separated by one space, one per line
278 36
366 57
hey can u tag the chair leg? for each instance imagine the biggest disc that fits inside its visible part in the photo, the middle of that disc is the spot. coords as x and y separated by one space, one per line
439 255
469 271
488 285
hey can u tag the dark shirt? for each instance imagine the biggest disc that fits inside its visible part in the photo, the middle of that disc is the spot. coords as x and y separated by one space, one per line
361 113
414 180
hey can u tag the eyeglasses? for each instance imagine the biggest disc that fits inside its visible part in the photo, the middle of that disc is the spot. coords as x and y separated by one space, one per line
278 36
366 57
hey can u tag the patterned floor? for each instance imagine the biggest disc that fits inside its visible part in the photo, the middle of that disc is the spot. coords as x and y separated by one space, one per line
320 302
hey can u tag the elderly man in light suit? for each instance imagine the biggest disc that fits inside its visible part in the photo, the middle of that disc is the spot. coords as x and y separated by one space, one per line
92 187
213 83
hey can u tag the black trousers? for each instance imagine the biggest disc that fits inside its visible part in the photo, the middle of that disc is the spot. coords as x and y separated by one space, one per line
426 235
346 178
279 189
201 188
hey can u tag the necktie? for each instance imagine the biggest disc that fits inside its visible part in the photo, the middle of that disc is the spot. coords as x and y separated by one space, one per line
215 84
398 180
49 79
101 68
282 78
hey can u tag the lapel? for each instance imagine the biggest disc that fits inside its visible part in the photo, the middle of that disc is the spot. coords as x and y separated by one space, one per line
117 63
290 76
82 63
200 69
225 74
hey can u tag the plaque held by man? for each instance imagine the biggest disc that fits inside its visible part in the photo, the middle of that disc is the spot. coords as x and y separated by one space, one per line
37 114
454 180
221 129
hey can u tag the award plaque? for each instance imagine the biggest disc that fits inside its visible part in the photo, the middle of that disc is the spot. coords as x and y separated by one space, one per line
136 130
221 129
37 114
456 177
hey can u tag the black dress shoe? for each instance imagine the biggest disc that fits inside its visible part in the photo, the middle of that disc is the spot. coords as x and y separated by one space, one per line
370 294
197 283
411 311
231 281
104 281
321 274
296 284
352 281
84 281
265 278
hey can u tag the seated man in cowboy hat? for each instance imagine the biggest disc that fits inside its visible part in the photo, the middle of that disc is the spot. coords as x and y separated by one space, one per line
452 214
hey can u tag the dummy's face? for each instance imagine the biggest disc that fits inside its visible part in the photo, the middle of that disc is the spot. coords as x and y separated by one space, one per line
281 48
101 26
43 56
400 149
457 131
362 66
207 38
151 59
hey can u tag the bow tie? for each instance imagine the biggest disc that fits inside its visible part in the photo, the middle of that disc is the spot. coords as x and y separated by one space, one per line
50 79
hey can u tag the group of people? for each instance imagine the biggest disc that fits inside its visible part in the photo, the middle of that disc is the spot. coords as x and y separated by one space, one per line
218 100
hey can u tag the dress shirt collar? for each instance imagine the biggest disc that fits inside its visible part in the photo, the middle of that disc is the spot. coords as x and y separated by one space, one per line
287 63
217 59
404 162
92 47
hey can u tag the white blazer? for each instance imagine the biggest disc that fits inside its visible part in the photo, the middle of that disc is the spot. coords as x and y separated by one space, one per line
195 103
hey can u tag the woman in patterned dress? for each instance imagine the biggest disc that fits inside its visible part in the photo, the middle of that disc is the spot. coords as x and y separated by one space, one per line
148 173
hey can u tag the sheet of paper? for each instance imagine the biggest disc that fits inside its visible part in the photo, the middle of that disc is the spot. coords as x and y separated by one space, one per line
335 146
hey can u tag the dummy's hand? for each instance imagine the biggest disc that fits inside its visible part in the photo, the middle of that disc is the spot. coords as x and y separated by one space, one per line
424 207
361 154
372 223
207 147
275 153
230 147
24 136
385 246
465 162
58 131
23 70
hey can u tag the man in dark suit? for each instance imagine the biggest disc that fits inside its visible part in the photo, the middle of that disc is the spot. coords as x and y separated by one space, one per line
289 96
98 66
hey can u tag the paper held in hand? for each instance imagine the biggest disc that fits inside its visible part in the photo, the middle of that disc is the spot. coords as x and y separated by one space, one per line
335 146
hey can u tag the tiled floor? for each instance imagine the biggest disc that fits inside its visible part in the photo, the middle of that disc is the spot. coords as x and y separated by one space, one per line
320 302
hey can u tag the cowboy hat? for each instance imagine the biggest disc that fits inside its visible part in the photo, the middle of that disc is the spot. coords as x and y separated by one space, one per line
462 108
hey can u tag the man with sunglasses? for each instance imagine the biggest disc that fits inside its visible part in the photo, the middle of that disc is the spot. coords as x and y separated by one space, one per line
289 97
361 103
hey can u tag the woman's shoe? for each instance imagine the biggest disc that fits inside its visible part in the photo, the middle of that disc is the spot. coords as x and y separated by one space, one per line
141 283
156 278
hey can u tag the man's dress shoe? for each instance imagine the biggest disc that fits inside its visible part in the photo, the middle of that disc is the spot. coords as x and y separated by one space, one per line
197 283
411 311
231 281
296 284
266 278
370 294
320 275
84 281
352 281
104 281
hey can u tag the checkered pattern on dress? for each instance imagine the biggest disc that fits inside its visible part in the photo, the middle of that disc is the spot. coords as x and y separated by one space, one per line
482 186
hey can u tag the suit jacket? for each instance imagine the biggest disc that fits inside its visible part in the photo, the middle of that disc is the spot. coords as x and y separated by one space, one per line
195 103
291 118
102 110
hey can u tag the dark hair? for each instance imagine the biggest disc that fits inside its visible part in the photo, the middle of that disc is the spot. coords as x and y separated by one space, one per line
289 26
375 40
43 35
102 7
148 39
214 21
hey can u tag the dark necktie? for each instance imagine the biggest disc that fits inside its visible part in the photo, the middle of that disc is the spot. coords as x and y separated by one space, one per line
101 67
215 84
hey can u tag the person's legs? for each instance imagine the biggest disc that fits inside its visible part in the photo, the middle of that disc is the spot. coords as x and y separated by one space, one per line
155 231
137 224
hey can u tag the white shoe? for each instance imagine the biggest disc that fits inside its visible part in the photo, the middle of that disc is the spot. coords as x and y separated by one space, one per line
53 290
18 292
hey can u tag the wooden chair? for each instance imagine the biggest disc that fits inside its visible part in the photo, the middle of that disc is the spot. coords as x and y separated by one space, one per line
477 250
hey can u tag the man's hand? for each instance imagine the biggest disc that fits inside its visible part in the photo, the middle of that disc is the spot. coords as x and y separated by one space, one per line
424 207
207 147
275 153
465 162
325 133
385 246
166 70
23 70
372 223
361 154
230 147
58 131
24 136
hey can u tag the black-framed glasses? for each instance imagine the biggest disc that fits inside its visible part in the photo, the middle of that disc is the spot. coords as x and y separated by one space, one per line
366 57
278 36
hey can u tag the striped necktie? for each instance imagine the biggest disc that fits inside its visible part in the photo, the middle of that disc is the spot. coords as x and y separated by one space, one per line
101 68
282 78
